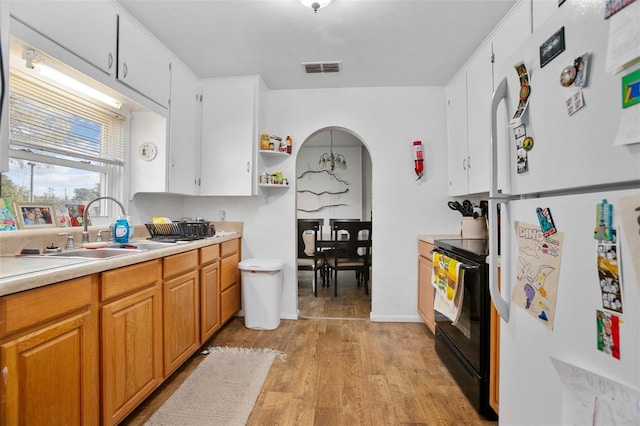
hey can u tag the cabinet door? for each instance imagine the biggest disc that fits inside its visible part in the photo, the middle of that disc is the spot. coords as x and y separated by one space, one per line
87 29
479 92
209 300
63 353
131 352
457 133
49 336
143 63
181 302
184 134
426 292
230 114
494 358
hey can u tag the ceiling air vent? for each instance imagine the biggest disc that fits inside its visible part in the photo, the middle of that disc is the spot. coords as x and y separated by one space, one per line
321 67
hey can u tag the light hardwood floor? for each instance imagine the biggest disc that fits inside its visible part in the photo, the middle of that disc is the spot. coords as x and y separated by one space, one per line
348 371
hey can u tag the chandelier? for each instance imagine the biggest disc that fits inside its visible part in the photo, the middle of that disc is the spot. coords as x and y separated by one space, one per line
332 160
315 4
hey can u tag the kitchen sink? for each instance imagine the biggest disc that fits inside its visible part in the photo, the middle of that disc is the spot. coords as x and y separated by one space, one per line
100 253
149 245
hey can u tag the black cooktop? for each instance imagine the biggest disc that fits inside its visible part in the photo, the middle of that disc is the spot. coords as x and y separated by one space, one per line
476 249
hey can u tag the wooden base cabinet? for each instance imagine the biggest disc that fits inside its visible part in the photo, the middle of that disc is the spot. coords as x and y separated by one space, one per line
426 292
230 297
181 301
494 358
49 355
210 321
131 337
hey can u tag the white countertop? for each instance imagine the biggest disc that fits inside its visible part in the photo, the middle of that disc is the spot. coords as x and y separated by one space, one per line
20 273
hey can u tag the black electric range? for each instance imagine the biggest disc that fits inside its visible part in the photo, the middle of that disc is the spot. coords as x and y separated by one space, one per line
464 346
474 249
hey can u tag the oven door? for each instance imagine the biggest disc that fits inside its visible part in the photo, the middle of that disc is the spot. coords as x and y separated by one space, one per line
466 334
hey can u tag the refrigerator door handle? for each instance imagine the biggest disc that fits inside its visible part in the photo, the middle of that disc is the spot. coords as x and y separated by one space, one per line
501 304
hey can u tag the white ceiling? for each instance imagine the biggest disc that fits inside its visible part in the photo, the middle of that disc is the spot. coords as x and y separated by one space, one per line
380 42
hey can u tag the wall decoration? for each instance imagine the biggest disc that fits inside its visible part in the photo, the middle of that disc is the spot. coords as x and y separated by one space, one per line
8 220
321 193
35 215
320 208
324 171
552 47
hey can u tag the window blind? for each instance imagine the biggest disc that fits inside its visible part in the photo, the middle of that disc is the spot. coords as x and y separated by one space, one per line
57 123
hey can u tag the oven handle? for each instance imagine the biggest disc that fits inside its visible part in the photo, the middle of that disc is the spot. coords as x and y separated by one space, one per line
462 265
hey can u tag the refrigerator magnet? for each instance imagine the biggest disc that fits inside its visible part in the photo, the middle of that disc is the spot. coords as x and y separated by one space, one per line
581 65
546 221
552 47
568 76
575 102
608 333
527 143
631 89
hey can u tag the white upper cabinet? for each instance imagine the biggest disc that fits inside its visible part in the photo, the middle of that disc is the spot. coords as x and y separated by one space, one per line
457 133
85 28
469 96
479 92
143 63
184 130
231 122
105 37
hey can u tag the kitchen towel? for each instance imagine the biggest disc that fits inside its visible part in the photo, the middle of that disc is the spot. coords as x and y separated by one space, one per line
448 278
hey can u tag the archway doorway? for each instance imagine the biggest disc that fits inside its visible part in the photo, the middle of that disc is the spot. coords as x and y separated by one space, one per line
325 194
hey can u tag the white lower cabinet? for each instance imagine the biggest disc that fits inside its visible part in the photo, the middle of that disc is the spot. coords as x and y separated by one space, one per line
231 123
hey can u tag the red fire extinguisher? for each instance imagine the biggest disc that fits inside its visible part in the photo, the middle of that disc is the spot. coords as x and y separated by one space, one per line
418 158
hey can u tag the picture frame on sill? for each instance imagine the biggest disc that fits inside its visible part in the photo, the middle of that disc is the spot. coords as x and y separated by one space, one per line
34 215
76 215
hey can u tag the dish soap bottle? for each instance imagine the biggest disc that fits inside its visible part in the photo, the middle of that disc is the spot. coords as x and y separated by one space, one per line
121 230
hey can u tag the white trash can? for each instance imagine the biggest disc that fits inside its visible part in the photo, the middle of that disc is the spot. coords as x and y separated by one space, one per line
261 292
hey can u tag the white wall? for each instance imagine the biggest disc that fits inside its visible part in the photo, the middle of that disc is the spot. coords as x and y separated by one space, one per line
387 120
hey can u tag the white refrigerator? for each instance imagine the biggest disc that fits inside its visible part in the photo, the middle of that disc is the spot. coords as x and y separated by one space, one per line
559 298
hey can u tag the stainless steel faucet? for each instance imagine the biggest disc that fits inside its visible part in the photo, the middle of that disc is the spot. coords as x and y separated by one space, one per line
85 232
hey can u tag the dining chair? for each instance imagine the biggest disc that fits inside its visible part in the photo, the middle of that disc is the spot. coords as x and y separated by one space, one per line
310 257
351 253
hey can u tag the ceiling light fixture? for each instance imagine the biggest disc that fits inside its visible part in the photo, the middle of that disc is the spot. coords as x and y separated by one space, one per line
32 61
332 160
315 4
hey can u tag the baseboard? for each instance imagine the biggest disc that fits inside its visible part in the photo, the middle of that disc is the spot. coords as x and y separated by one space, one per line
395 318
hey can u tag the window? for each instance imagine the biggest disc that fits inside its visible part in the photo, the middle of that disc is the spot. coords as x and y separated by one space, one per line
63 149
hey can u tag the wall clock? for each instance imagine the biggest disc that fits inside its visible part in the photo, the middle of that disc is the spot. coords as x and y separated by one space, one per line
148 151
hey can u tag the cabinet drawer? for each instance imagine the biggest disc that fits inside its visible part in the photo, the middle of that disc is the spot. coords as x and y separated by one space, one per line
230 247
424 249
130 278
180 263
21 310
209 253
229 302
229 271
